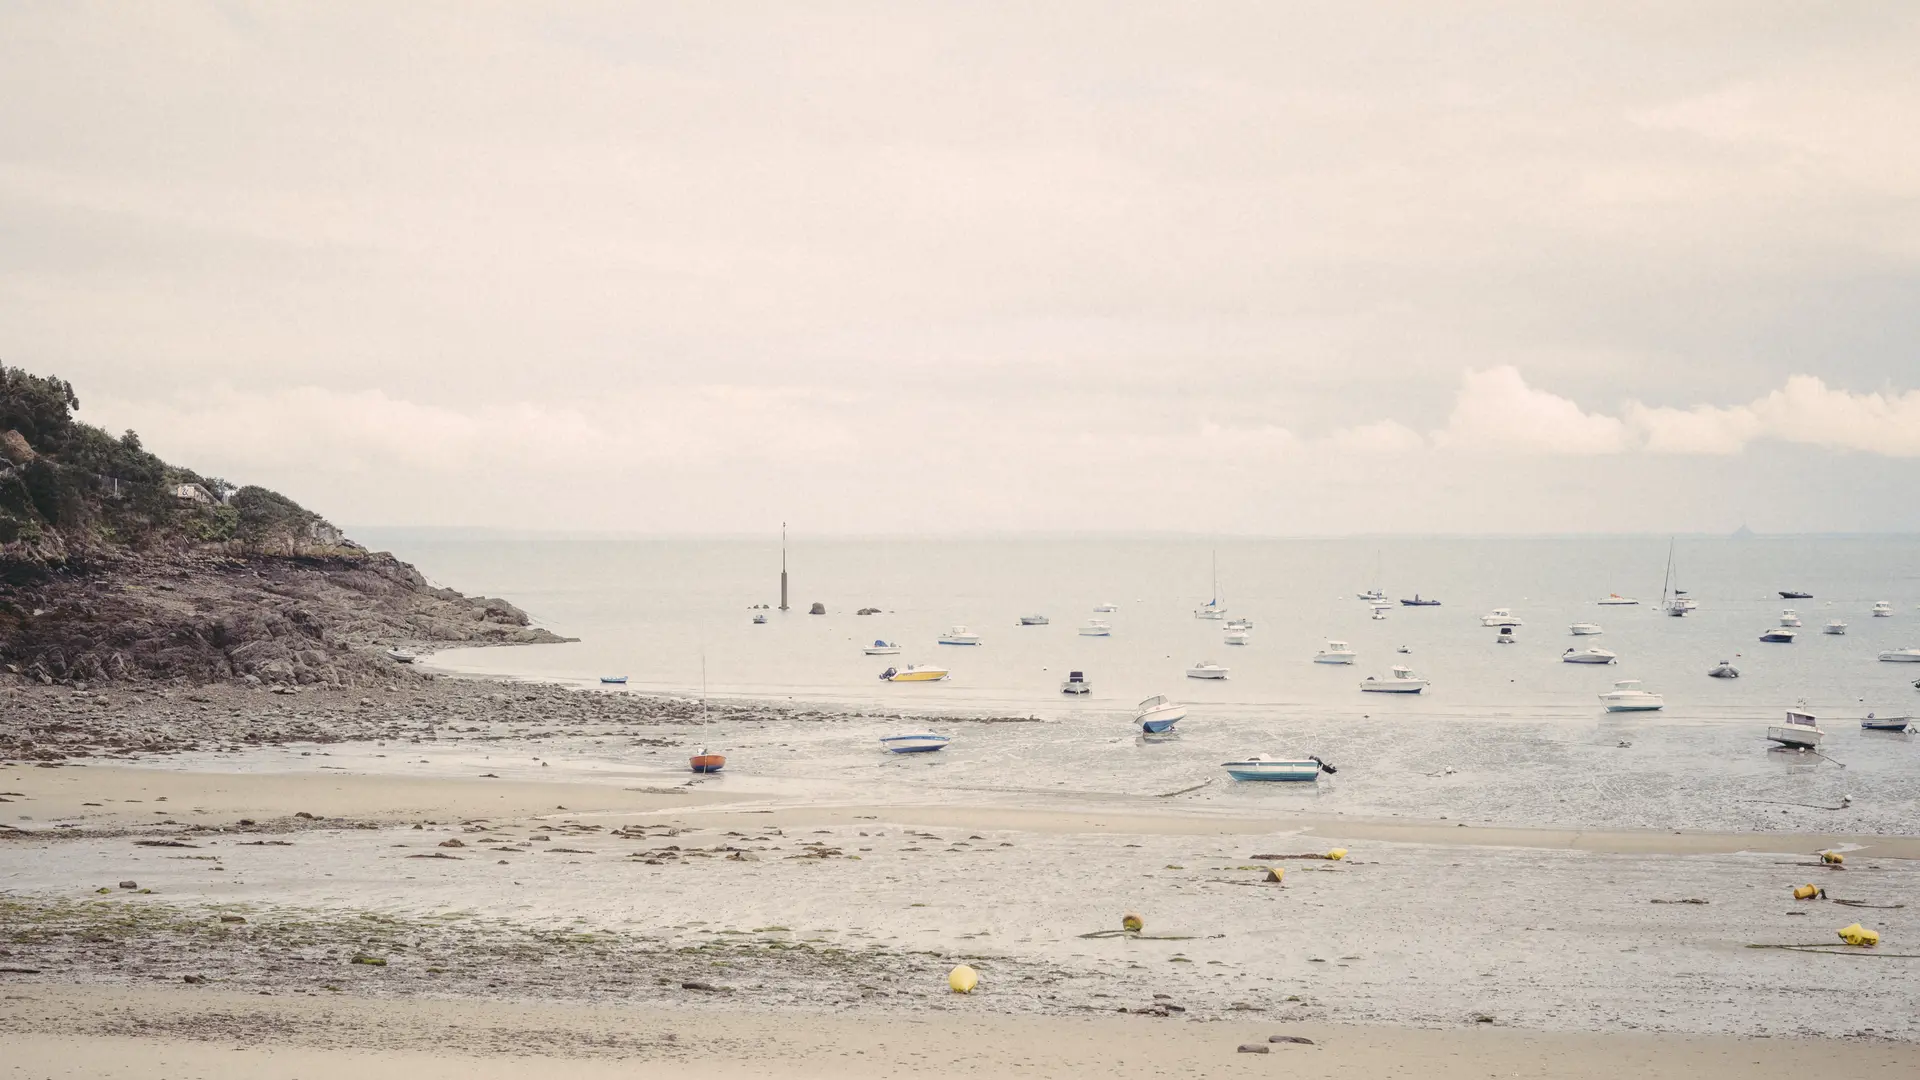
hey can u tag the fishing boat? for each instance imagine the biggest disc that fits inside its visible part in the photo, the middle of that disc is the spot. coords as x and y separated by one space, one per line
1213 609
401 656
1799 732
1418 601
1500 617
759 620
1033 620
1096 628
1585 629
1336 652
1616 600
1627 696
959 635
1402 681
914 673
1836 627
1258 767
1789 617
1724 670
1882 609
1588 656
1237 637
706 761
924 743
882 648
1373 596
1206 669
1886 723
1901 656
1076 683
1786 595
614 680
1158 714
1780 635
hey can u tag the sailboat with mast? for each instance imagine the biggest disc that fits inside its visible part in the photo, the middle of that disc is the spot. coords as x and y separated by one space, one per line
1674 600
1213 609
1375 595
706 761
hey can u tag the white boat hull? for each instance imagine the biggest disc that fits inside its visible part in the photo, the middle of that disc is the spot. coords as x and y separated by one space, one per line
1393 686
1795 735
1592 656
1650 703
884 650
914 744
1901 656
1207 673
1273 770
1333 658
1584 630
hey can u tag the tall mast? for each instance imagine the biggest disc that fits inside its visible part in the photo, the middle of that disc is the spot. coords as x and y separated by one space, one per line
783 566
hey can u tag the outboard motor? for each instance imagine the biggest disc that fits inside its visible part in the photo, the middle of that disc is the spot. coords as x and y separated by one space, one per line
1324 767
888 674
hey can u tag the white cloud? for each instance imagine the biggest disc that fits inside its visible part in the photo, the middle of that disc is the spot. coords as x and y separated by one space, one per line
1496 409
1381 438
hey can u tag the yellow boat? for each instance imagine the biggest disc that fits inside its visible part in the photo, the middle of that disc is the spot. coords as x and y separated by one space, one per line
914 673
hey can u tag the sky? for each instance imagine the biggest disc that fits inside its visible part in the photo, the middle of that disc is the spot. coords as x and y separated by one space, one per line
1243 268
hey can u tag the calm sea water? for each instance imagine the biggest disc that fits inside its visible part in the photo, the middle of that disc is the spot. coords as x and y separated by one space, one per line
1523 732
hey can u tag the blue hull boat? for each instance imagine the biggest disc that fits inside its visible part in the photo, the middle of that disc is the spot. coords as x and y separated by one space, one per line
1157 727
616 680
915 744
1886 723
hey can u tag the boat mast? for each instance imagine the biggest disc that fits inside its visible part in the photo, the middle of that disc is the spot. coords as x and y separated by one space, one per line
783 567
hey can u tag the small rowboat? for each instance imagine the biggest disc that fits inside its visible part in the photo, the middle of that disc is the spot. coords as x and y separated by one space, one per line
614 680
1257 767
915 744
708 763
1886 723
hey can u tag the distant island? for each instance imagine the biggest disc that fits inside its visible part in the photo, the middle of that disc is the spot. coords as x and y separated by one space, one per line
116 565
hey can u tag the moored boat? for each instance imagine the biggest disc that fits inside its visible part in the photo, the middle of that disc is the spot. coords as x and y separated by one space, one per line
959 635
614 680
1158 714
1500 617
1033 620
1886 723
914 673
1336 652
1259 767
1798 733
1836 627
1616 600
1237 637
1790 595
1588 656
1584 629
1901 656
1206 669
759 620
1789 617
1882 609
1505 636
1780 635
924 743
1418 601
1402 681
1096 628
1627 696
1106 607
1075 683
1724 670
882 648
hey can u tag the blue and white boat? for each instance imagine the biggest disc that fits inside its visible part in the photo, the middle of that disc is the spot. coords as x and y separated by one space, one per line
882 647
923 743
1886 723
1158 714
1257 767
614 680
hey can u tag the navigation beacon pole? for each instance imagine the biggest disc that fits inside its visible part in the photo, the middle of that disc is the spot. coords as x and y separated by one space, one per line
783 566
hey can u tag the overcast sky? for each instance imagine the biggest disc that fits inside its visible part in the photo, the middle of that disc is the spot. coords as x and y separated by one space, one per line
1265 267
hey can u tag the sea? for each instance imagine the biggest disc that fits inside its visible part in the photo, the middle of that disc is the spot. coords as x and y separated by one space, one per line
1506 734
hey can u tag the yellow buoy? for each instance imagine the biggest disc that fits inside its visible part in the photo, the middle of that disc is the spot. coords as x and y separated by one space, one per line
1806 892
1337 854
1132 923
1275 873
1859 935
1832 858
963 979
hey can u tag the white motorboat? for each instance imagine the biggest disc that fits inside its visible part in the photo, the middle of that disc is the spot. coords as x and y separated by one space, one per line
959 635
1780 635
1033 620
1627 696
1206 669
1500 617
1901 724
1402 681
1109 606
1076 683
1724 670
1901 656
1237 637
759 620
401 656
1789 617
1616 600
1239 624
1158 714
1373 596
1882 609
924 743
1588 656
1259 767
1380 612
1096 628
1585 629
1836 627
1336 652
1506 636
1798 733
882 647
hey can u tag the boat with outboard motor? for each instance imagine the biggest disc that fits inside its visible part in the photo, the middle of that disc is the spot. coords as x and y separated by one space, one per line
1206 669
1402 681
1886 723
1158 714
1627 696
883 648
1076 683
1588 656
914 673
1780 635
1260 767
1724 670
1336 652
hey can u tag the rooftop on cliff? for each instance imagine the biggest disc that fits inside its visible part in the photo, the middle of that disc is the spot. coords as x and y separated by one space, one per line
115 564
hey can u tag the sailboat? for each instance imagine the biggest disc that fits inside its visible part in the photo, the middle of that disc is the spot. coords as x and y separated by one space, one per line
1213 609
1674 601
1374 595
706 761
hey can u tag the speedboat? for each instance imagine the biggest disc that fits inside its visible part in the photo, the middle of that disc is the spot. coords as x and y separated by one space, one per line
959 635
1506 636
1096 628
1075 683
1158 714
1033 620
1626 696
1402 681
759 620
1256 767
1336 652
1588 656
1882 609
914 673
1886 723
1724 670
401 656
1786 595
1789 617
1585 629
1782 635
1106 607
1238 637
1799 732
1901 656
915 744
703 762
1616 600
614 680
1418 602
1837 626
1206 669
882 648
1500 617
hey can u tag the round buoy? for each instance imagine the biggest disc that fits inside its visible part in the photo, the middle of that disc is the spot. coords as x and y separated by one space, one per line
1132 923
963 979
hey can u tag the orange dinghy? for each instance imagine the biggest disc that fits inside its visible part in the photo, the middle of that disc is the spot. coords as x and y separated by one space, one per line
709 763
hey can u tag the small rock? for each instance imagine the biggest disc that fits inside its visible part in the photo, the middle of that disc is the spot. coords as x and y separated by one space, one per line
817 609
129 884
1254 1048
233 918
1289 1039
195 979
708 988
307 816
455 842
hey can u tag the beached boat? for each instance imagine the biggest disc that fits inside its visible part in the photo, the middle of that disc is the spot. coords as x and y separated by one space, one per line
883 648
1096 628
1336 652
1836 627
759 620
959 635
1882 609
1789 617
706 761
1799 732
1788 595
1584 629
401 656
1780 635
1886 723
614 680
1258 767
1588 656
1033 620
924 743
1627 696
1158 714
1500 617
1616 600
1724 670
1901 656
1206 669
914 673
1402 681
1237 637
1076 683
1418 601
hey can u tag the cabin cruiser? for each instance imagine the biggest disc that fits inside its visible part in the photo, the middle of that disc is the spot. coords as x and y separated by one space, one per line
959 635
1724 670
1258 767
1837 626
1096 628
1901 724
1781 635
1380 612
1616 600
915 673
1588 656
1627 696
1033 620
1882 609
1901 656
924 743
1238 637
1585 629
1374 596
1158 714
1076 683
1798 733
1402 681
1500 617
1239 624
882 648
1206 669
1336 652
1789 617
